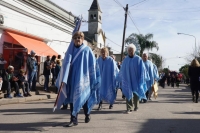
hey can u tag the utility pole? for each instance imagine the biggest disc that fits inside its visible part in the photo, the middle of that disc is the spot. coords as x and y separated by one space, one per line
126 13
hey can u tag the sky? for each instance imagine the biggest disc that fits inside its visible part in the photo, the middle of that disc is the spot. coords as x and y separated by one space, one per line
163 18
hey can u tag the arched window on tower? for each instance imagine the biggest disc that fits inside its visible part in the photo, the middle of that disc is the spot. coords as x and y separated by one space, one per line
99 17
95 16
91 16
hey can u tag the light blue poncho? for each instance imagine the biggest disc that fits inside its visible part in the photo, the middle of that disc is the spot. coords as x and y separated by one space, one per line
155 70
83 80
150 70
108 72
133 77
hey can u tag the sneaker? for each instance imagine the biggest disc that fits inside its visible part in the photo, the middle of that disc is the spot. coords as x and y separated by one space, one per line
136 109
19 95
9 96
71 124
111 106
128 111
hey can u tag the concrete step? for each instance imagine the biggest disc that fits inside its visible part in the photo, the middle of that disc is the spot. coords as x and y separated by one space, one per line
41 95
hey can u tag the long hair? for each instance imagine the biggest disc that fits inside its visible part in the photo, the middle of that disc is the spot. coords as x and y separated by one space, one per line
195 63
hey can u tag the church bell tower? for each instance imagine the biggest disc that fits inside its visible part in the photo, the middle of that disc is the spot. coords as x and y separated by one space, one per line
94 18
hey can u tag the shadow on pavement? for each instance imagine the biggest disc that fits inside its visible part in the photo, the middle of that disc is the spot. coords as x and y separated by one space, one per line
190 113
170 126
39 126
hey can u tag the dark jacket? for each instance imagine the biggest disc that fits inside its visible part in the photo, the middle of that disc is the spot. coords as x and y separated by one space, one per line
21 79
47 71
194 74
7 77
57 70
31 63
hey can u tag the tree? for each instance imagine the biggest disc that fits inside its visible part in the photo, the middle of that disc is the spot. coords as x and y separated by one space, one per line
156 59
184 70
142 42
166 70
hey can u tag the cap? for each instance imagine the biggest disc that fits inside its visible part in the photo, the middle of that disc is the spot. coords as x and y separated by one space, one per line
32 52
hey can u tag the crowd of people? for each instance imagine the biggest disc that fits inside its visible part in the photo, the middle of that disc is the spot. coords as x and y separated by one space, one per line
172 79
90 81
9 79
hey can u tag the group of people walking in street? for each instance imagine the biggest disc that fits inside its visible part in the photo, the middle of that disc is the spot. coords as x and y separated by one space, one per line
89 81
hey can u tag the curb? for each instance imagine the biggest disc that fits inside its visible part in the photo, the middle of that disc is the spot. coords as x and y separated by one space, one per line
15 100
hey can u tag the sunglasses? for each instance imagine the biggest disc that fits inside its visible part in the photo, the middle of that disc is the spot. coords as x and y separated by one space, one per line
77 38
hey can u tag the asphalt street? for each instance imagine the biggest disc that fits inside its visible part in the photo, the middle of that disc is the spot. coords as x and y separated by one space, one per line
172 112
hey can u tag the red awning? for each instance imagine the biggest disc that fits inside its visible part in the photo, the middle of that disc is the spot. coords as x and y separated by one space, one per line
37 45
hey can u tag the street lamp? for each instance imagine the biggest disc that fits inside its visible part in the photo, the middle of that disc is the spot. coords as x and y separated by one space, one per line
195 41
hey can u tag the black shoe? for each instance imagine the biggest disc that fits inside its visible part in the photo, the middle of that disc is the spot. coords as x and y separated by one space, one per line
193 98
111 106
145 100
136 109
64 107
29 94
123 97
87 119
71 124
25 95
141 101
100 107
196 101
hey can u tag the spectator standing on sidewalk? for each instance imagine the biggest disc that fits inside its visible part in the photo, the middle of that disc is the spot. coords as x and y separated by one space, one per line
32 66
2 63
2 69
53 64
47 72
59 58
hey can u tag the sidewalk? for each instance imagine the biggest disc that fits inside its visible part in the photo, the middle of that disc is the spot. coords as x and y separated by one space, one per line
36 96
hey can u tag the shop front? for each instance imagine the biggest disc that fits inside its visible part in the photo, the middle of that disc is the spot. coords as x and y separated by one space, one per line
17 46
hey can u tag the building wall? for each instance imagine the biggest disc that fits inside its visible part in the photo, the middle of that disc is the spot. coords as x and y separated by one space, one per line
58 38
1 41
100 41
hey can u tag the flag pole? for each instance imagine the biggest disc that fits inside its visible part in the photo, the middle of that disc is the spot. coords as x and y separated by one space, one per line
57 96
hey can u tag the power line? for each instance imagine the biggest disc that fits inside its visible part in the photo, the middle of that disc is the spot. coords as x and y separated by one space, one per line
133 22
118 3
138 3
114 42
85 4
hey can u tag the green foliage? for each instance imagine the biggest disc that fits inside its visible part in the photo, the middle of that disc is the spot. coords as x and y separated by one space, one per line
184 70
166 70
142 42
156 59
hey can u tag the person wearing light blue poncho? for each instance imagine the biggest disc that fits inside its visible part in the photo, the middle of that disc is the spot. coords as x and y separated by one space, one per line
81 80
133 77
108 72
150 70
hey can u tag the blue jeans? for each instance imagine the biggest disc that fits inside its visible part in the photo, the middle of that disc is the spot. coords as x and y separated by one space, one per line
32 78
46 83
